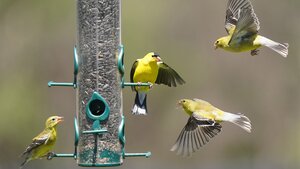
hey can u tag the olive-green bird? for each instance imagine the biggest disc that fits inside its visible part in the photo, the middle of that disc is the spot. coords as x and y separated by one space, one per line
203 124
150 69
242 27
43 143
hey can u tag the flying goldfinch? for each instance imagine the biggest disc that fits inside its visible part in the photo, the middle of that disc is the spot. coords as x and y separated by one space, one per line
43 143
203 124
242 27
150 69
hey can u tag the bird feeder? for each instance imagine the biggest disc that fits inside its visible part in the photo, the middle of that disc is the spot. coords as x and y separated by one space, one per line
99 122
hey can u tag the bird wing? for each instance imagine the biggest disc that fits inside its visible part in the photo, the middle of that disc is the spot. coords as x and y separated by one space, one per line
132 71
37 141
232 13
247 25
201 101
201 120
194 135
167 75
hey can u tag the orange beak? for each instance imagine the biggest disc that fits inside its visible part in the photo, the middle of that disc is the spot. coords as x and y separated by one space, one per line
60 119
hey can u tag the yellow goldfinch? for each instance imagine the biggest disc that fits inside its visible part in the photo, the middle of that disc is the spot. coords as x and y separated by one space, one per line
242 27
203 124
150 69
43 143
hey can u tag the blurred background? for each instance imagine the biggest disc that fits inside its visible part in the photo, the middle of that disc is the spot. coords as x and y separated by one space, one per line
36 45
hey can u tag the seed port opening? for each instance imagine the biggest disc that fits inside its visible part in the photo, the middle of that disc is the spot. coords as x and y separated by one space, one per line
97 107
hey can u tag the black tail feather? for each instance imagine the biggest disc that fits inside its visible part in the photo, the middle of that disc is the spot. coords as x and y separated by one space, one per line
140 104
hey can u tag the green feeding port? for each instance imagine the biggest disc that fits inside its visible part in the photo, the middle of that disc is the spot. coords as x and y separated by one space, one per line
97 108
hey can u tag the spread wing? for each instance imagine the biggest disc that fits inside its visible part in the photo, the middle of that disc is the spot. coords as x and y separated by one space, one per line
238 19
37 141
247 26
132 71
195 134
232 13
168 76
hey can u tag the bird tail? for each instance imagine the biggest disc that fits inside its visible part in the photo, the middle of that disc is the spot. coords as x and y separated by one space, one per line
280 48
238 119
25 162
140 105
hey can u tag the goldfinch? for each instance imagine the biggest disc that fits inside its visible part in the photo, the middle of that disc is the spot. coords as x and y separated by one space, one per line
43 143
150 69
242 27
203 124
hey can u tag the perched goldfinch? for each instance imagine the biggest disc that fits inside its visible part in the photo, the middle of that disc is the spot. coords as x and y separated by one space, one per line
242 27
43 143
203 124
150 69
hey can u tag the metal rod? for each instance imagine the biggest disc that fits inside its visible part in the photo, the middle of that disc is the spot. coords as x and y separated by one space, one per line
66 84
147 154
65 155
136 84
95 131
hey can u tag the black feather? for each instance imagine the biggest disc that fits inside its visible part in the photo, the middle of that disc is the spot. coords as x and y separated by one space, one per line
168 76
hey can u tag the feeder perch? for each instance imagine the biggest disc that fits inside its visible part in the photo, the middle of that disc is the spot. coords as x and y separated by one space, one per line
66 84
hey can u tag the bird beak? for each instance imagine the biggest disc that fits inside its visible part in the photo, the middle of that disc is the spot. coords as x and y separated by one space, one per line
158 59
60 119
216 46
178 105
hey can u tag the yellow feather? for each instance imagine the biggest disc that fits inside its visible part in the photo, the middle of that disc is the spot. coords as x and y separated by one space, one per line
44 142
236 46
44 149
202 108
146 71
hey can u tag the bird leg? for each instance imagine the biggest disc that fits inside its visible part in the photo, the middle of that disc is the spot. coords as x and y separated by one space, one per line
151 85
254 52
138 86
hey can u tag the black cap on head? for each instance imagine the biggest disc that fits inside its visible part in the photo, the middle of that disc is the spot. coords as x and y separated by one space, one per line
155 54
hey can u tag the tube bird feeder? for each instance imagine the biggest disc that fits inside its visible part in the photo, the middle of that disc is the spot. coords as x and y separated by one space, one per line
99 80
99 96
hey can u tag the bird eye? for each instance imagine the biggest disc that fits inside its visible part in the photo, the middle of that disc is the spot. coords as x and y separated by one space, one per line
53 119
217 42
183 101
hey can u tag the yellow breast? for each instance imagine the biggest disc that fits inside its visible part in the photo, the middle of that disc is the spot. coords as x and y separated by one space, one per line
44 149
145 72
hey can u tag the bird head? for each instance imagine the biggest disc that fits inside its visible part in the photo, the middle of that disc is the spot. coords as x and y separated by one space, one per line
220 43
152 57
184 103
53 121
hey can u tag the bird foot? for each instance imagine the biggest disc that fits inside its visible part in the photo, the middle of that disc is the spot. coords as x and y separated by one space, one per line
150 85
138 86
50 155
254 52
